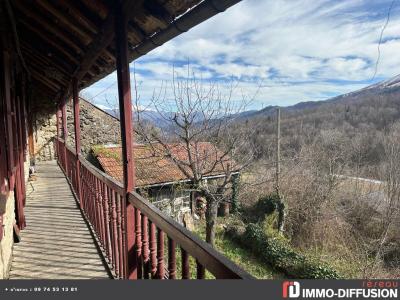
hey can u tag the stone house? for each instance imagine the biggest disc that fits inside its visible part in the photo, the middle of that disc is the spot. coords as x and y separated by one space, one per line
159 179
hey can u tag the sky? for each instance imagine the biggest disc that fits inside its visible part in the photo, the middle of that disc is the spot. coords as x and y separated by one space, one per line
275 52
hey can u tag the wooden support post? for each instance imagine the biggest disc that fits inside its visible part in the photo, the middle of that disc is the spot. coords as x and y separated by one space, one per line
58 117
65 133
77 130
125 108
6 85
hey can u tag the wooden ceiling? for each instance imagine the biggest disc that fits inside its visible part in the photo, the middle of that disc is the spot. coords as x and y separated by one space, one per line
60 40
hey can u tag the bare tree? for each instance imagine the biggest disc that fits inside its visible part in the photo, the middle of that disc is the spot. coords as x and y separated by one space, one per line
203 115
391 177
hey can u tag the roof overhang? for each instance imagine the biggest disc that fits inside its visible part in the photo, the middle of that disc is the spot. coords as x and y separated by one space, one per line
62 40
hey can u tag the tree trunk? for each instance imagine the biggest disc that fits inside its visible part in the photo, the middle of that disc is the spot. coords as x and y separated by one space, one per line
211 218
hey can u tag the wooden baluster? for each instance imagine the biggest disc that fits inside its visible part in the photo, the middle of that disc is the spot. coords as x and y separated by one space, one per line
101 215
92 201
201 271
160 254
153 249
185 264
138 230
124 255
89 195
86 194
107 221
120 236
115 233
145 247
83 185
94 191
96 227
98 209
171 258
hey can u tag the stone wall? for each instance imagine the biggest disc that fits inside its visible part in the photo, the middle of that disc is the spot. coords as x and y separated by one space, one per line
7 210
97 127
7 207
43 114
44 135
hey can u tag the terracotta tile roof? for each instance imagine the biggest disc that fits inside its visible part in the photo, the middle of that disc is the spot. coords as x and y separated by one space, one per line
154 166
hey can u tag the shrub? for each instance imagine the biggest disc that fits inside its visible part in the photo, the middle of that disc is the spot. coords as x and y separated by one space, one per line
278 253
268 204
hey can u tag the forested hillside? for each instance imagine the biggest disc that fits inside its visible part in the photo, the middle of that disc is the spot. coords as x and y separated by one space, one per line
349 224
357 122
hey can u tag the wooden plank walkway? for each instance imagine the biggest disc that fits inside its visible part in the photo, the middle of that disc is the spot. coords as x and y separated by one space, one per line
57 243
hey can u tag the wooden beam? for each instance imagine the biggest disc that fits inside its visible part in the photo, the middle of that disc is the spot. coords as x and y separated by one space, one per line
48 27
83 35
43 60
45 81
97 7
77 14
41 50
106 36
102 40
41 87
49 41
44 73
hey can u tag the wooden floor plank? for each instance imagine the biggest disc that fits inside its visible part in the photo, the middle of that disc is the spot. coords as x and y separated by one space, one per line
57 243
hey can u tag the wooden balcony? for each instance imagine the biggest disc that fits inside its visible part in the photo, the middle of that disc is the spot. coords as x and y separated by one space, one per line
58 243
158 240
47 58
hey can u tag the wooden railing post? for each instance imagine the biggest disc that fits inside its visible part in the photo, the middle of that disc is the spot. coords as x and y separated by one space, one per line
58 116
65 132
125 108
77 129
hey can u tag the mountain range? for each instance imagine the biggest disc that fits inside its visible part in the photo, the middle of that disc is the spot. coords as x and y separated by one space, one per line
388 87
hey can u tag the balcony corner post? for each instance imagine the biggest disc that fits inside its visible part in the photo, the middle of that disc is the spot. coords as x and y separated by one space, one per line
77 131
58 116
65 132
125 108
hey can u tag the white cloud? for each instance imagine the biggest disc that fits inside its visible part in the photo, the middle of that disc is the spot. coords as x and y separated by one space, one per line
299 49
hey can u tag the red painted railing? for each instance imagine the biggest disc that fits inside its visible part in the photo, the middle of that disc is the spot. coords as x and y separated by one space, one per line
163 248
60 153
71 168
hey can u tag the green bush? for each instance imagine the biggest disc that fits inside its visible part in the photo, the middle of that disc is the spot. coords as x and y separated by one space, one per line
281 256
270 207
268 204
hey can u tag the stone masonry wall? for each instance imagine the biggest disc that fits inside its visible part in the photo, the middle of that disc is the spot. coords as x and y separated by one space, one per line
7 209
43 114
97 127
46 131
7 242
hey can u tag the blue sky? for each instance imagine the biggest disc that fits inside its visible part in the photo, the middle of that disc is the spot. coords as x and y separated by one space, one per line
279 52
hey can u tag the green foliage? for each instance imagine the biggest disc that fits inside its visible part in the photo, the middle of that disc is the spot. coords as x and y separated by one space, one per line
242 256
269 209
100 149
270 203
278 253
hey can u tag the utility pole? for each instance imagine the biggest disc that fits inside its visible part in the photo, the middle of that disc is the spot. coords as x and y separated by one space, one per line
281 205
278 149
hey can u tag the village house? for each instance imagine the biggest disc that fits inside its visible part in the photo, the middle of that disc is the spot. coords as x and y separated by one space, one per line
160 180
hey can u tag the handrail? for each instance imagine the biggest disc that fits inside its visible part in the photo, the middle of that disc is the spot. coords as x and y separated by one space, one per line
107 179
104 205
220 266
69 148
